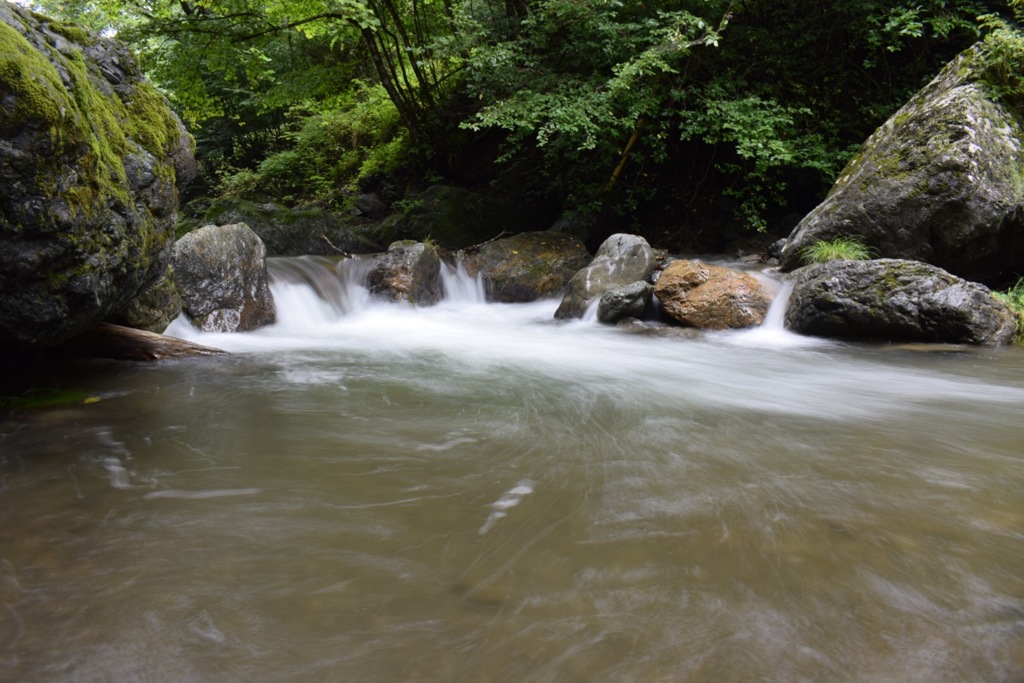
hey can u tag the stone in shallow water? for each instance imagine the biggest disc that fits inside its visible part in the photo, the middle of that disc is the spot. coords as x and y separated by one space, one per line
630 301
621 260
711 297
527 266
221 273
895 300
408 272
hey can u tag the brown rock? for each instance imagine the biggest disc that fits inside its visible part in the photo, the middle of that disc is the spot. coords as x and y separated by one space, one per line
711 297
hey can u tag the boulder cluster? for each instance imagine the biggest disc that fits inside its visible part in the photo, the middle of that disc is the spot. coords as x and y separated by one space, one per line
92 160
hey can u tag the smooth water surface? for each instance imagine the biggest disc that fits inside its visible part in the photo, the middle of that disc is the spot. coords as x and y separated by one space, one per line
474 492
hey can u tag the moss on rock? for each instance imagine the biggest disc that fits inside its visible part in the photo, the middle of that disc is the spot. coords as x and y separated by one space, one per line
895 300
91 164
942 181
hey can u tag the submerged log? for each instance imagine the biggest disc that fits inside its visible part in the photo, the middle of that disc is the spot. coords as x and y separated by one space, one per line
124 343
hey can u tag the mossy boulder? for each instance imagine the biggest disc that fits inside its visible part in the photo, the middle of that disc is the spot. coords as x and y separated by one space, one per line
152 310
895 300
527 266
91 161
942 181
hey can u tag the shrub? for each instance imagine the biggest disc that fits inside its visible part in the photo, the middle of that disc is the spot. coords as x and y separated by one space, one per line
1014 299
839 249
328 153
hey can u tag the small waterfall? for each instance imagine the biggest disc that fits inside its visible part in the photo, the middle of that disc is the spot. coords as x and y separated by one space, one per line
460 286
775 318
322 289
318 288
772 333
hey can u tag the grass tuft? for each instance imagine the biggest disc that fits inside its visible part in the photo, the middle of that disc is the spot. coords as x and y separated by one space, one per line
1014 299
839 249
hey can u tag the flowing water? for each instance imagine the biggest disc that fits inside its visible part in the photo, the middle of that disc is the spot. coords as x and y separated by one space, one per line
475 492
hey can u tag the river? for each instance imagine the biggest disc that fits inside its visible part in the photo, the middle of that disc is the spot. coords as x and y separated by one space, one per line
474 492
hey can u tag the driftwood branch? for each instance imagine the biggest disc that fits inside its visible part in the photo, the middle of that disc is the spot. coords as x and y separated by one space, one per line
335 248
124 343
474 248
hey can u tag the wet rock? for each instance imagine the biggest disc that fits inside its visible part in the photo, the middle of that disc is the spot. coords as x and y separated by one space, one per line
626 302
221 273
895 300
621 260
527 266
371 206
942 181
90 191
408 272
154 309
711 297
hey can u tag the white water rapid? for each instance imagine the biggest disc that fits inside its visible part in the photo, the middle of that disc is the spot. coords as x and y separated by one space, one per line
477 492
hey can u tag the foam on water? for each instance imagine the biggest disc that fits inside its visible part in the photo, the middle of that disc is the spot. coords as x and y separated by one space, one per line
772 333
322 308
460 286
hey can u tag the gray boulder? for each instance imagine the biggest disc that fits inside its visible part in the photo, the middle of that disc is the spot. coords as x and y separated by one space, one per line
895 300
630 301
408 272
711 297
91 161
621 260
527 266
942 181
221 273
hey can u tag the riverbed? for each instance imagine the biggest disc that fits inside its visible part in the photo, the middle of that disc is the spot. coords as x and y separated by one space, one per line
475 492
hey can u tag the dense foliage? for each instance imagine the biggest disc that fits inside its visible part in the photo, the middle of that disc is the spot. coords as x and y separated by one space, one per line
677 116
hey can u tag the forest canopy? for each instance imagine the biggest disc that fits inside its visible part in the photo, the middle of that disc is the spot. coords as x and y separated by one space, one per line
675 113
